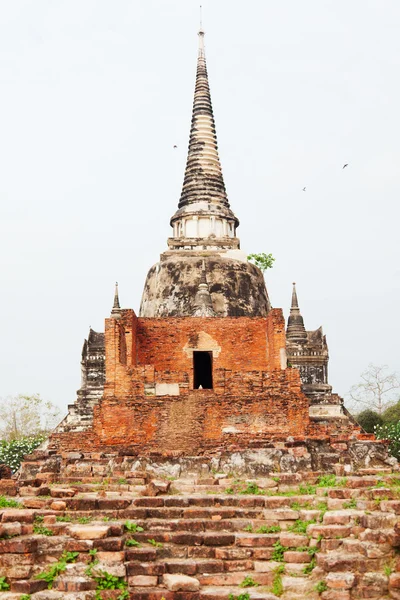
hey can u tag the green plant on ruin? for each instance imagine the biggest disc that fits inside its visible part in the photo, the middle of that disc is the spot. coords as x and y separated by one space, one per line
245 596
388 568
93 552
63 519
122 481
300 526
105 519
296 505
352 503
84 520
379 484
25 597
262 260
311 566
57 568
277 585
278 552
3 585
252 488
155 544
133 527
39 518
307 490
41 530
321 587
5 503
248 581
13 452
132 542
106 581
248 528
327 480
268 529
240 487
322 507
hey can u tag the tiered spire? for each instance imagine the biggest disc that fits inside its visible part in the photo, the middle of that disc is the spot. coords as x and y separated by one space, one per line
295 332
116 309
203 210
203 176
202 306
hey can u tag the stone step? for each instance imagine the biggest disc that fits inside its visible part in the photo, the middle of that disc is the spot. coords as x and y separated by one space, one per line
205 593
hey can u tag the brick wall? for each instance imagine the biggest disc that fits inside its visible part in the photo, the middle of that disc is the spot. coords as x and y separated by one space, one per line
253 401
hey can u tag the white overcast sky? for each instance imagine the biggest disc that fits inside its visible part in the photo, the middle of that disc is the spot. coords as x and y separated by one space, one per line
93 96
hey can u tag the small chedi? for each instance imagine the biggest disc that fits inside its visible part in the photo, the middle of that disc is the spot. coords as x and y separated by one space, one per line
206 457
206 370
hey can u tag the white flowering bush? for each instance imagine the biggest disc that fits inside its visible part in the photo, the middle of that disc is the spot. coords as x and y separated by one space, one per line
391 432
12 453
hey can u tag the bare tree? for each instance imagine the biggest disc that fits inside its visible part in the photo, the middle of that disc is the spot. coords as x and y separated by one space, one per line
22 416
377 389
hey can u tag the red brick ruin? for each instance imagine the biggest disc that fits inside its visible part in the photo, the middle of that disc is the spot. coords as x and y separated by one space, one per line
207 369
206 456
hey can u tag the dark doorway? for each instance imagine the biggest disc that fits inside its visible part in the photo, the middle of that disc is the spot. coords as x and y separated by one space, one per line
202 368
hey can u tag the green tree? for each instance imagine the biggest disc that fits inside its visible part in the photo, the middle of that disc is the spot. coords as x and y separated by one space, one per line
392 414
262 261
369 419
26 416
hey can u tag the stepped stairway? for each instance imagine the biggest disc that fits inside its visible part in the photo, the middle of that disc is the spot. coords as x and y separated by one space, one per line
89 534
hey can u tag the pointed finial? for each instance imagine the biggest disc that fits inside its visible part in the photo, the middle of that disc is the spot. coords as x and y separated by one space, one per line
201 34
295 330
202 306
116 309
295 303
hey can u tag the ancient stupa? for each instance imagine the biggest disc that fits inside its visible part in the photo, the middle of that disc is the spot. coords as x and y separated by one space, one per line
206 370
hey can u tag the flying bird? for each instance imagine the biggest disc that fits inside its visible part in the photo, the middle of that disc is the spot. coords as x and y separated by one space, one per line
345 165
175 146
304 189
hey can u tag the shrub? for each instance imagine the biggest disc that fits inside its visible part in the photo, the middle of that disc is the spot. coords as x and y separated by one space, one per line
12 453
133 527
3 585
321 587
248 582
4 503
369 419
392 414
391 433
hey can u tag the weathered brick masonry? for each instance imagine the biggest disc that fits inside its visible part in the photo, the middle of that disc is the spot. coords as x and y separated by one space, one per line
253 399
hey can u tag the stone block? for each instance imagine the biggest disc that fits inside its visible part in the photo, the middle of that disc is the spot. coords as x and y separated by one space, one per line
19 515
256 540
8 487
142 581
151 568
62 492
292 540
33 503
109 544
281 514
157 487
394 581
265 566
58 505
329 531
88 532
291 556
219 539
28 586
343 581
18 546
181 583
10 529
